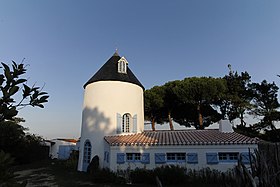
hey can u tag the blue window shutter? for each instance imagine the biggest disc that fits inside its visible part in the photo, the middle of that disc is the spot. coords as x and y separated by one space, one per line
107 158
192 158
212 158
134 123
145 158
159 158
119 123
245 158
120 158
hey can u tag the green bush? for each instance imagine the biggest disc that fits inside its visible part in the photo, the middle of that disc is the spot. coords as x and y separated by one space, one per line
72 162
24 147
170 174
142 176
208 177
106 176
93 165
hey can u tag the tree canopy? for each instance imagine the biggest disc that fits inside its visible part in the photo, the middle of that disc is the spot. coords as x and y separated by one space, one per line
202 101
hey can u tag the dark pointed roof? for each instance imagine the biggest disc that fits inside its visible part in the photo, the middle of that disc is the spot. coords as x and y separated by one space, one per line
109 72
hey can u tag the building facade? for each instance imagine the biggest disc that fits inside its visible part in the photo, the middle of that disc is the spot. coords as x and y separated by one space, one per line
113 130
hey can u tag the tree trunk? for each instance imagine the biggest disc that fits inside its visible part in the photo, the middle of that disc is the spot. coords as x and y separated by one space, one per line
153 124
170 121
242 120
200 118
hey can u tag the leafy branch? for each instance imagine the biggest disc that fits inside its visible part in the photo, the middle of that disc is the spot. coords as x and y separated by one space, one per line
11 83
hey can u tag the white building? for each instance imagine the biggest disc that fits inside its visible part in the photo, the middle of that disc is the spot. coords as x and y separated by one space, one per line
113 129
61 148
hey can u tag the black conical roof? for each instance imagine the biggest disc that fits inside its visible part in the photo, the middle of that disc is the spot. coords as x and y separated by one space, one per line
109 72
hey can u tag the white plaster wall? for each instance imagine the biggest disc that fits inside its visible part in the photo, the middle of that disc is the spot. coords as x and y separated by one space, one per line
102 101
107 148
201 151
55 148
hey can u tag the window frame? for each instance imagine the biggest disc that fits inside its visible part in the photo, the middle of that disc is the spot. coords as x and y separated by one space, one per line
133 157
228 156
176 157
126 123
87 152
122 65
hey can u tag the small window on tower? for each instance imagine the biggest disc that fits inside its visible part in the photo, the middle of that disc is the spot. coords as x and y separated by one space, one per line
126 122
122 65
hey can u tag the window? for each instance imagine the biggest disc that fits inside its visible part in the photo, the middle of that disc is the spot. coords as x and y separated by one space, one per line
176 157
122 65
143 158
133 157
87 152
126 123
228 157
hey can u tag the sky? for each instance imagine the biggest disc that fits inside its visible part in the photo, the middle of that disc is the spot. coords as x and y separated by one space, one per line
65 42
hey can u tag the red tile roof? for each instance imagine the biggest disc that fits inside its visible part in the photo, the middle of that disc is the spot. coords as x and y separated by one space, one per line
67 140
180 137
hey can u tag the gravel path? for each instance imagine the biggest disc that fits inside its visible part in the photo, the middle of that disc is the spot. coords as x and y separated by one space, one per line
36 177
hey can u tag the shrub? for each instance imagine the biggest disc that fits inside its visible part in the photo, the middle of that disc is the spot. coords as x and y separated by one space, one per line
103 176
208 177
93 165
170 174
24 147
72 162
142 176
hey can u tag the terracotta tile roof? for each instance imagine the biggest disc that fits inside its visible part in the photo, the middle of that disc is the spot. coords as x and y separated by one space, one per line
180 137
67 140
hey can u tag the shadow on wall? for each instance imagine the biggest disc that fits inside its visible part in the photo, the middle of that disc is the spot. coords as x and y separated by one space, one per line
96 121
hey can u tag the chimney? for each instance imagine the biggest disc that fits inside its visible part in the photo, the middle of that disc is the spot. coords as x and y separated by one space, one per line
225 126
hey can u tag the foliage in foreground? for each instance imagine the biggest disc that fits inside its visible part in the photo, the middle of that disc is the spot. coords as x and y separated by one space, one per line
15 95
174 175
11 83
24 147
265 167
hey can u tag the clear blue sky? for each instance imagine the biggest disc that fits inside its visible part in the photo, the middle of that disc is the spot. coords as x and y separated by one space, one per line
65 42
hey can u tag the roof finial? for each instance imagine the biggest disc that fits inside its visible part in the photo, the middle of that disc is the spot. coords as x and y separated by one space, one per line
116 53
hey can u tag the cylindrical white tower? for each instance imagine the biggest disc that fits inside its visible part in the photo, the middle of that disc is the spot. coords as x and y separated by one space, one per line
113 104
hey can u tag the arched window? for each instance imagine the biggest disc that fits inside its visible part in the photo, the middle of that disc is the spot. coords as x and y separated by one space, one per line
87 155
126 120
122 65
